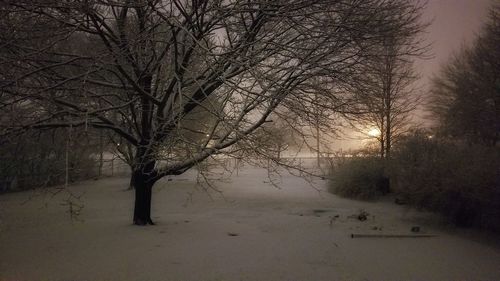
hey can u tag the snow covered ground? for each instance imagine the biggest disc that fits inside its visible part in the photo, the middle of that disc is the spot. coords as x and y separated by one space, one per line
250 231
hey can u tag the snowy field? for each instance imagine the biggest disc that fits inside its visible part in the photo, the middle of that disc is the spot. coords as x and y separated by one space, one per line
250 231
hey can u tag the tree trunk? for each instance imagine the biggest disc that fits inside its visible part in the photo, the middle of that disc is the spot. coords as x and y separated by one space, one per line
143 175
388 135
131 182
382 148
382 139
143 184
142 209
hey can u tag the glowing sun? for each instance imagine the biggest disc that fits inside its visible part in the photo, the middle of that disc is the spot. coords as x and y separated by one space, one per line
374 132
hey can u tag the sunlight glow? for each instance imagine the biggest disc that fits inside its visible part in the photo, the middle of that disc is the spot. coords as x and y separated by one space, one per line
374 132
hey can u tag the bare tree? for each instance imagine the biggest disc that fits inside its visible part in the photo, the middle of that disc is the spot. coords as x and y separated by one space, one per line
385 89
142 69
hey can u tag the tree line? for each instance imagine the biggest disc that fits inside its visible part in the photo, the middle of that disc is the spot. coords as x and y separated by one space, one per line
452 167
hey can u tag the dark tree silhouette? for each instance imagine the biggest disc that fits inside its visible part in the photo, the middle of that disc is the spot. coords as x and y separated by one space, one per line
466 94
143 70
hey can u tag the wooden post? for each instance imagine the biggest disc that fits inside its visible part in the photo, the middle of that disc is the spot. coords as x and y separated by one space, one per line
317 144
316 113
356 235
101 152
68 141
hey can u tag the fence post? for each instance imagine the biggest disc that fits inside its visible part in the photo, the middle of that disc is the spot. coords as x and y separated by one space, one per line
101 152
68 143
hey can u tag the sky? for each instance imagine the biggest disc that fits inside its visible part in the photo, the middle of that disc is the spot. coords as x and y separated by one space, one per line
455 23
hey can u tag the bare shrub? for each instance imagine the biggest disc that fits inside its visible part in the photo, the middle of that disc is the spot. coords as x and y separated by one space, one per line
360 177
458 180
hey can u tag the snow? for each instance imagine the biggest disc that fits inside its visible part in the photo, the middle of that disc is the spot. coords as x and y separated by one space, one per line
250 231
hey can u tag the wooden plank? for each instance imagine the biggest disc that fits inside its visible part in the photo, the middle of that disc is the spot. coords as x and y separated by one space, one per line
361 235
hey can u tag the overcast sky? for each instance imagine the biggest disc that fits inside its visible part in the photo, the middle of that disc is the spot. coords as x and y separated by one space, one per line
454 23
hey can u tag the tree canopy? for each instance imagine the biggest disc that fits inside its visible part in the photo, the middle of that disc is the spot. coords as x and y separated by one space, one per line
144 69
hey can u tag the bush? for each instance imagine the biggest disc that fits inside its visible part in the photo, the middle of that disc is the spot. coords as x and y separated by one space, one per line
360 177
38 158
458 180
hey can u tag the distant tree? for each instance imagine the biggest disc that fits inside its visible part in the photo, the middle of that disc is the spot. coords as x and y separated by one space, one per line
142 69
385 86
278 134
466 94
